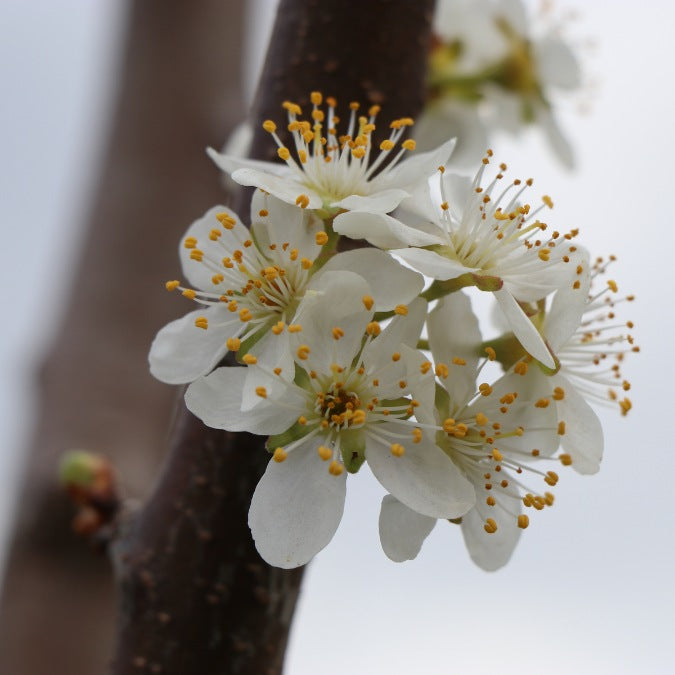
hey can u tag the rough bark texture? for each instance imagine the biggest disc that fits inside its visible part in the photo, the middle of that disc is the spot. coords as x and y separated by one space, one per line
178 92
196 598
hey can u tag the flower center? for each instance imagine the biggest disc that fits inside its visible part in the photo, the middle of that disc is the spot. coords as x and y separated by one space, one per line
334 165
339 407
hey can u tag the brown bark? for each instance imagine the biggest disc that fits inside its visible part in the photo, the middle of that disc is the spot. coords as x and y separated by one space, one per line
196 598
178 92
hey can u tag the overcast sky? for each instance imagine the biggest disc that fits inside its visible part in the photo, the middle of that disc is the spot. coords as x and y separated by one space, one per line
589 589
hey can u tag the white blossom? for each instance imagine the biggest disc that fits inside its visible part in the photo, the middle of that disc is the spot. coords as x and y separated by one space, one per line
345 399
329 171
249 284
470 237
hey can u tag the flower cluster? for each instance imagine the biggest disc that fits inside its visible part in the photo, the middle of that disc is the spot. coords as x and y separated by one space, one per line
352 358
492 68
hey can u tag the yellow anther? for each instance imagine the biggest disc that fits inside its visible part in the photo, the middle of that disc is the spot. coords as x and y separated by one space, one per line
261 391
481 419
402 384
284 153
217 279
331 102
324 452
269 126
373 110
305 263
302 420
565 459
492 354
294 328
485 389
245 315
523 521
277 371
386 145
316 98
551 478
359 152
233 344
409 144
202 322
321 238
302 201
542 403
249 359
172 285
449 425
425 367
190 242
417 435
490 526
232 306
490 501
373 328
520 368
337 333
196 254
397 450
302 156
303 352
558 394
441 370
544 254
279 455
293 108
625 406
335 468
561 428
214 235
189 293
396 356
458 362
496 455
401 310
368 302
354 105
358 417
612 285
548 201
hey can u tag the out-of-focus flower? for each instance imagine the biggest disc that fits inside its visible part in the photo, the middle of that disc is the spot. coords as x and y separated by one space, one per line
489 58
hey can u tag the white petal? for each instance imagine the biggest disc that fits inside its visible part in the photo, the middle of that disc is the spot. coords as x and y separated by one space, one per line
557 140
381 230
181 352
459 193
334 300
432 264
523 328
197 273
286 188
415 169
490 551
568 304
216 400
424 478
378 202
422 386
583 438
402 530
454 332
229 163
556 63
513 11
285 223
390 283
296 508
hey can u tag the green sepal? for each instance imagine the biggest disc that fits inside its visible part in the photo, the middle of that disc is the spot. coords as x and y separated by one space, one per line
251 341
442 401
353 449
287 437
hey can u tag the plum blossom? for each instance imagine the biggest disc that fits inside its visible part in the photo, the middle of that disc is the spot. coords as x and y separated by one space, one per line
494 434
492 59
331 172
470 237
249 283
345 399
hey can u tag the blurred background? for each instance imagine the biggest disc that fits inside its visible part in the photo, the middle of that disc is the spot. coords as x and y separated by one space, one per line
589 588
